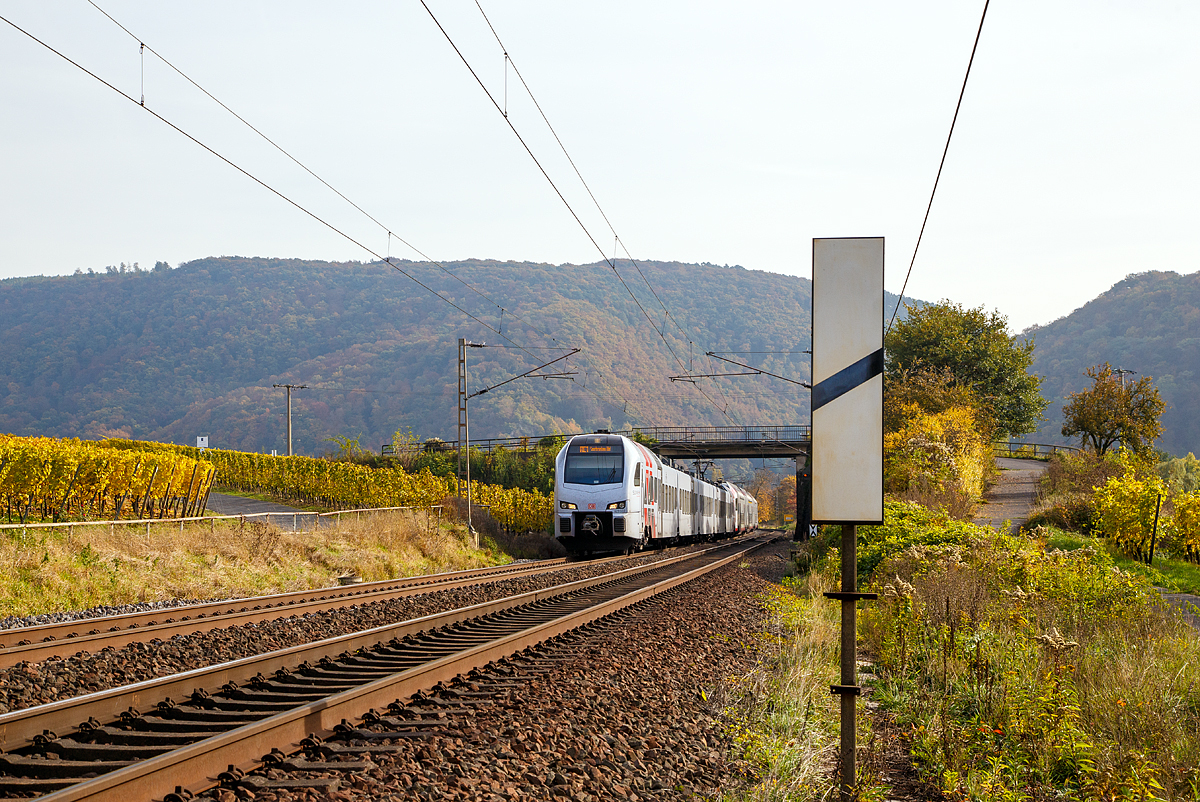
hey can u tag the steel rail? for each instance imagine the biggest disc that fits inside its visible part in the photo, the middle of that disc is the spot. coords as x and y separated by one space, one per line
37 643
194 767
19 728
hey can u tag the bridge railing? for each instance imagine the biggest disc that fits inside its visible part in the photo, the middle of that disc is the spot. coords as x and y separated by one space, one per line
1032 450
663 434
727 434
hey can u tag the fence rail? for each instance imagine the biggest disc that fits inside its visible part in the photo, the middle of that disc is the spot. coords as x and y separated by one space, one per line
1032 450
296 517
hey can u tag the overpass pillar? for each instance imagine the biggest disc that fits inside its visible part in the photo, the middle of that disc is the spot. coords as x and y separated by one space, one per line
803 499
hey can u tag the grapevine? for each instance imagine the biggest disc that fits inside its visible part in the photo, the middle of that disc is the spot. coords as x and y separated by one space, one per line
45 479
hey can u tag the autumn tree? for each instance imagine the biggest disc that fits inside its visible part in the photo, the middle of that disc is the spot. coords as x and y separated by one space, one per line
1113 411
975 348
763 487
930 391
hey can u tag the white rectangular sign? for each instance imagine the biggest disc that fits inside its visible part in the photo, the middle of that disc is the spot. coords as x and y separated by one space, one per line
847 374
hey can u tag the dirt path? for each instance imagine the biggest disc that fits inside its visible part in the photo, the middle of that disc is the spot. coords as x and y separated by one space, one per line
1013 495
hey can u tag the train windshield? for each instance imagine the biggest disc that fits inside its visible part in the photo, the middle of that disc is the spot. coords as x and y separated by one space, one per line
595 460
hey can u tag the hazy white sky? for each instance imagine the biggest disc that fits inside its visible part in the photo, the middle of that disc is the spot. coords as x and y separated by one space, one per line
718 132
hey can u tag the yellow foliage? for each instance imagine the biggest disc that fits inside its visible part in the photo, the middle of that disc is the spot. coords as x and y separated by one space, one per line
1186 523
1125 508
36 473
936 449
517 509
41 477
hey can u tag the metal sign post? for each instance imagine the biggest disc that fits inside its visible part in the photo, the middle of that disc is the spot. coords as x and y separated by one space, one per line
847 433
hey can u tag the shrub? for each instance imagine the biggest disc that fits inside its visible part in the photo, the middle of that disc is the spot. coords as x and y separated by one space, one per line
1126 510
1185 524
1074 512
907 524
1079 472
942 449
1028 675
1182 474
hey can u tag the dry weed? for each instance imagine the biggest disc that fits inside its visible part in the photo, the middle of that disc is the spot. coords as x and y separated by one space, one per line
88 566
783 717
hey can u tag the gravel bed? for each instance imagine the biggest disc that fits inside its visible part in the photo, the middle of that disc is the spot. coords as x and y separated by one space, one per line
623 713
29 684
20 622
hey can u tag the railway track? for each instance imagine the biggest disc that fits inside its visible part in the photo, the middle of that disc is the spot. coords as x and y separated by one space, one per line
37 643
223 719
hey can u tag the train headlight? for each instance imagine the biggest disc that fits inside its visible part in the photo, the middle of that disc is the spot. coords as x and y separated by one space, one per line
617 505
566 505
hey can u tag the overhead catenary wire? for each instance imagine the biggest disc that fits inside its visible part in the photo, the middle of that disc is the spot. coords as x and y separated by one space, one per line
502 309
562 197
715 353
945 150
386 259
295 160
616 238
254 178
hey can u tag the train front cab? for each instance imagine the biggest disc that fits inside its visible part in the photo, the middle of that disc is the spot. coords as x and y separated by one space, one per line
598 495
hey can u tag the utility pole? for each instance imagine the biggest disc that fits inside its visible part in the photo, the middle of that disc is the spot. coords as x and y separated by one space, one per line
464 430
1121 372
289 388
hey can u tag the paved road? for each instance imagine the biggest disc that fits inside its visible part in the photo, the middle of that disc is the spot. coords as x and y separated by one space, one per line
1188 604
236 505
1013 495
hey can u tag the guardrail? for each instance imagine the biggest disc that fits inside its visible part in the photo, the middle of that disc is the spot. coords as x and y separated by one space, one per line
1032 450
296 517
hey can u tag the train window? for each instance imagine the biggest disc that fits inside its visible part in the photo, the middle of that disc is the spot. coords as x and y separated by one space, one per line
637 475
594 464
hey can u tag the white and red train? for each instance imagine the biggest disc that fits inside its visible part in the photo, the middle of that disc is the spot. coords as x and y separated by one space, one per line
614 494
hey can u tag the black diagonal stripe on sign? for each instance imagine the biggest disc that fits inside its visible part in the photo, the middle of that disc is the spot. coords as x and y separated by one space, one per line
847 379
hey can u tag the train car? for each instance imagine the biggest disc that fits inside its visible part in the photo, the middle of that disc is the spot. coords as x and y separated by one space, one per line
614 494
744 510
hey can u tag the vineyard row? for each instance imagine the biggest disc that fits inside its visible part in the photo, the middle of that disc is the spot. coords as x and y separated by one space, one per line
319 482
46 479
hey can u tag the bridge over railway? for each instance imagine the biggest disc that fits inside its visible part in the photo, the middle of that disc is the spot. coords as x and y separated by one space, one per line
686 443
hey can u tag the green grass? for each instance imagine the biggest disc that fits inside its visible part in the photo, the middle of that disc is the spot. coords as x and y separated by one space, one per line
1178 576
781 716
1026 670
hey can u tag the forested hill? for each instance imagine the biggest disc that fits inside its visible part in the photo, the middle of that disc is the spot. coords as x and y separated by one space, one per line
1149 322
171 354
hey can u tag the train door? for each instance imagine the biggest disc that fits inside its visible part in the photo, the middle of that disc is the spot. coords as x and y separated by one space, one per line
675 509
648 504
637 495
658 503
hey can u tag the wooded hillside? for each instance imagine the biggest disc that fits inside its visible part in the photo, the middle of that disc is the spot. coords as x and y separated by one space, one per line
1148 322
172 354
